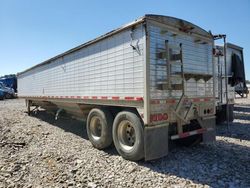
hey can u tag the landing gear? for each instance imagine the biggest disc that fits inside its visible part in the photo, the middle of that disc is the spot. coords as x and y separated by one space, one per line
28 104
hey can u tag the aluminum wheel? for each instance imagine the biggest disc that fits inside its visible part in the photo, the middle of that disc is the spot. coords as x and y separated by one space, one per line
95 128
126 135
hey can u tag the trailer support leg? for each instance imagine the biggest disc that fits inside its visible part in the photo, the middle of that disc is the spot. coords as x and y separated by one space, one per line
28 104
58 112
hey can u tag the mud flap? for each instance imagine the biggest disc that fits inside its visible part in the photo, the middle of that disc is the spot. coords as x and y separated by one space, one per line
156 142
209 136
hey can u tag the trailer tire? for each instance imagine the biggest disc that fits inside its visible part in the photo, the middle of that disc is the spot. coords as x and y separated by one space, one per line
128 136
99 128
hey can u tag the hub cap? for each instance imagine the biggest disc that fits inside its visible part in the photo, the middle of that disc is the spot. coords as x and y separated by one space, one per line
95 128
126 135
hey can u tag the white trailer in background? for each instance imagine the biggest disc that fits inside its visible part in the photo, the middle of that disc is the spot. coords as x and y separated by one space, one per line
236 79
139 86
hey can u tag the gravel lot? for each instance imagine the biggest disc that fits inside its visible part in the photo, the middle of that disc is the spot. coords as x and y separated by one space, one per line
37 151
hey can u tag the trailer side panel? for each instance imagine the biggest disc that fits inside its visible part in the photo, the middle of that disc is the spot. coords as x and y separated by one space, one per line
109 68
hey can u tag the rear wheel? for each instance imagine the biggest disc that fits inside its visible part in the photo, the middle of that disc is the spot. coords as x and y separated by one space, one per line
128 136
99 128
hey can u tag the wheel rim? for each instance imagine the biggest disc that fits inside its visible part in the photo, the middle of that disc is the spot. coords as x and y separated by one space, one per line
95 128
126 135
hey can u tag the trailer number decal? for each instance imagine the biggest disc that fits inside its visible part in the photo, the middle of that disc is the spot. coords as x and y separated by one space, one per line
158 117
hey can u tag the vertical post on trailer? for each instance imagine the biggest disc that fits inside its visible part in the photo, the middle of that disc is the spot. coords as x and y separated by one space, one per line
226 79
220 87
182 71
216 37
168 67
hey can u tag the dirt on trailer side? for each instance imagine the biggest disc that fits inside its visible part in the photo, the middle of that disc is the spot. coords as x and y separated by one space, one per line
37 151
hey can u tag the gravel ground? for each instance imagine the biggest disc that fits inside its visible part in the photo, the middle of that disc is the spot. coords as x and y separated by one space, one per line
37 151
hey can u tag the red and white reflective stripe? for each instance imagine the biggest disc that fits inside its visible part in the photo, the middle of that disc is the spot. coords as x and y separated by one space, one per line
173 101
127 98
159 101
191 133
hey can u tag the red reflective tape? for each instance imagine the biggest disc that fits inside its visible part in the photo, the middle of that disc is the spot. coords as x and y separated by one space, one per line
183 135
139 98
129 98
200 131
196 100
171 101
92 97
155 102
207 99
186 134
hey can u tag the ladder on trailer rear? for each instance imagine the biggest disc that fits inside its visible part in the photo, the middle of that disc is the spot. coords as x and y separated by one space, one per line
174 58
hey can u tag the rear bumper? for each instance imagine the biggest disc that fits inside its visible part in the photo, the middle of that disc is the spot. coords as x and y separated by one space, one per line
156 138
191 133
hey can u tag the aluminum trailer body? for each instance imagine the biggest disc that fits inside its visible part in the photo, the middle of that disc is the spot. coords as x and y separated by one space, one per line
236 83
147 82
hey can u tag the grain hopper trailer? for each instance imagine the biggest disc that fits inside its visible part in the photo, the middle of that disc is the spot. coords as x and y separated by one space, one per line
236 82
138 86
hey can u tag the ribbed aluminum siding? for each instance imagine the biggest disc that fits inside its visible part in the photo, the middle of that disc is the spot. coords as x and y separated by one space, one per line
197 59
107 68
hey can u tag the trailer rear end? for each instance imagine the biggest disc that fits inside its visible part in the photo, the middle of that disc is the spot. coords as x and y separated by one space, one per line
236 82
139 86
181 84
